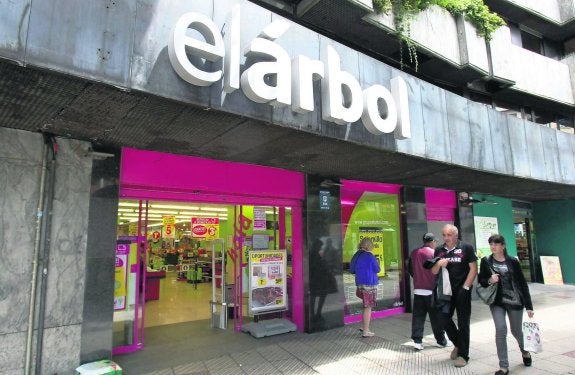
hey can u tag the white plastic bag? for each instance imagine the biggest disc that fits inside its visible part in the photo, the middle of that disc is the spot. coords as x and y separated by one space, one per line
446 282
531 337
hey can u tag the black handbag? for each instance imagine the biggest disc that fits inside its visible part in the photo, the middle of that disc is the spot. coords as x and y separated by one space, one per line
487 293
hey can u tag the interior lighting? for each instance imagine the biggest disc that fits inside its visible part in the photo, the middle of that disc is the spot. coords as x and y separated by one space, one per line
128 214
162 212
204 214
189 213
213 209
174 207
131 210
128 204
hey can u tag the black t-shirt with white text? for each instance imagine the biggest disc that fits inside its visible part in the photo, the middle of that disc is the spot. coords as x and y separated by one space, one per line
459 259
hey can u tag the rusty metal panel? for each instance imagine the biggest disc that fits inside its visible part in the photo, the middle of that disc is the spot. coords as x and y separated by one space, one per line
91 39
14 17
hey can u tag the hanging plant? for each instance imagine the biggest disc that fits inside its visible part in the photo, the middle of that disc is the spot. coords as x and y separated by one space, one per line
404 11
476 12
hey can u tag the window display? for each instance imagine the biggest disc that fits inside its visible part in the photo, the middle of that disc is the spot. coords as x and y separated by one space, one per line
371 210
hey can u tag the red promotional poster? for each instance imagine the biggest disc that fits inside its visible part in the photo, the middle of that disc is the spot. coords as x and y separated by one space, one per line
205 227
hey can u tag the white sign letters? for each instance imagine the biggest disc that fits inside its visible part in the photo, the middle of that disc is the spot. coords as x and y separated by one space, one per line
277 79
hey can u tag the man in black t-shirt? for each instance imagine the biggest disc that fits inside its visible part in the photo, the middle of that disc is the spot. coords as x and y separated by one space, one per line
461 263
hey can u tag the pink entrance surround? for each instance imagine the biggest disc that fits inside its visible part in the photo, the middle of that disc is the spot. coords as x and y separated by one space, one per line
157 175
440 205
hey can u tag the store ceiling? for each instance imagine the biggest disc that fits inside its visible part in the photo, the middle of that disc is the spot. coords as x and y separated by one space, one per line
129 211
41 101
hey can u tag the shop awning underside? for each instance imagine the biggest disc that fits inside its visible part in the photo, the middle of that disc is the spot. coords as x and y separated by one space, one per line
42 101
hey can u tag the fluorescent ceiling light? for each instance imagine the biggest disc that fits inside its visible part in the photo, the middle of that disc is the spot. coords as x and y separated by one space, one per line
163 212
128 214
174 207
128 204
190 213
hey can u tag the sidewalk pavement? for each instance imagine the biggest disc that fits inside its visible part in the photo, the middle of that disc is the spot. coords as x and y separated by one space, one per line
390 351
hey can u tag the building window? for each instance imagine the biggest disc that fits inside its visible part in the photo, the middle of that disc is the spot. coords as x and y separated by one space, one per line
569 46
566 124
508 109
531 42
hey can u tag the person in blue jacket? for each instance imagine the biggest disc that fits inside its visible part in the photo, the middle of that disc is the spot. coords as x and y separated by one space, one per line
365 267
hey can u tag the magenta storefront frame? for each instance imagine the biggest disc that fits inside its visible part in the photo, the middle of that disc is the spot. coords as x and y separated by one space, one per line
163 176
440 205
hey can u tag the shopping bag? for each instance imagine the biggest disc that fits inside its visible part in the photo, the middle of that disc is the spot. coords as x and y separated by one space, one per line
358 293
531 337
487 294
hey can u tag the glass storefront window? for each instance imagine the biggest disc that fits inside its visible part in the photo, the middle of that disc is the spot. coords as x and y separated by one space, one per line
372 210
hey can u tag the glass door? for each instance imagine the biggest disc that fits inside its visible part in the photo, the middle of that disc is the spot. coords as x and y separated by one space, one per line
258 228
372 211
525 241
129 285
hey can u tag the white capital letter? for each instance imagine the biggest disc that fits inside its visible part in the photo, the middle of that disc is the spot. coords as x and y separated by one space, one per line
341 93
212 49
304 71
375 121
254 78
399 92
232 59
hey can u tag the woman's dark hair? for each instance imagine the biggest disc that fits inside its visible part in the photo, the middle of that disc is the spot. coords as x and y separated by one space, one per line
496 238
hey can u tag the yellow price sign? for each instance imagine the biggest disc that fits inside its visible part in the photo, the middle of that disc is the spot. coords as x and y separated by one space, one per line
262 282
279 280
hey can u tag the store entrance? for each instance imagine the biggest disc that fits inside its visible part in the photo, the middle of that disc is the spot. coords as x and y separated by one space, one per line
525 241
174 259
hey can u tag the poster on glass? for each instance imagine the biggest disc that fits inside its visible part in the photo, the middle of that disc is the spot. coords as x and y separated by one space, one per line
267 281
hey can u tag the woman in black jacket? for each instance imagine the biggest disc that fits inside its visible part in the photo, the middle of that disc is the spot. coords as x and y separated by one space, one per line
511 298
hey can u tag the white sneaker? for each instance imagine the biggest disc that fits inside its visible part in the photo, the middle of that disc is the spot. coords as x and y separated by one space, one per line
448 344
418 346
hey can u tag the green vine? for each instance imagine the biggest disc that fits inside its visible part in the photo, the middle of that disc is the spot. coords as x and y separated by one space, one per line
476 12
404 11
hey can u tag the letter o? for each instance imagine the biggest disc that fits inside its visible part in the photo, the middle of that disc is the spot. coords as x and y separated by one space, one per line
371 117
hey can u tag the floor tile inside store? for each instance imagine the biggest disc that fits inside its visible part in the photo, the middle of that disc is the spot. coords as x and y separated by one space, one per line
179 302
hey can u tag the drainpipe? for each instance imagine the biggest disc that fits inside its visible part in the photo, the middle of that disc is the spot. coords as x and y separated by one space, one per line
45 249
38 244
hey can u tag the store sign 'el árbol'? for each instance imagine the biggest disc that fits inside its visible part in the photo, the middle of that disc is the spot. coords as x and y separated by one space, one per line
206 227
343 100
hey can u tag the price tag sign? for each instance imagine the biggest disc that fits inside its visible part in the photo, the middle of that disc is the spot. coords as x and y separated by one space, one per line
205 227
169 227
